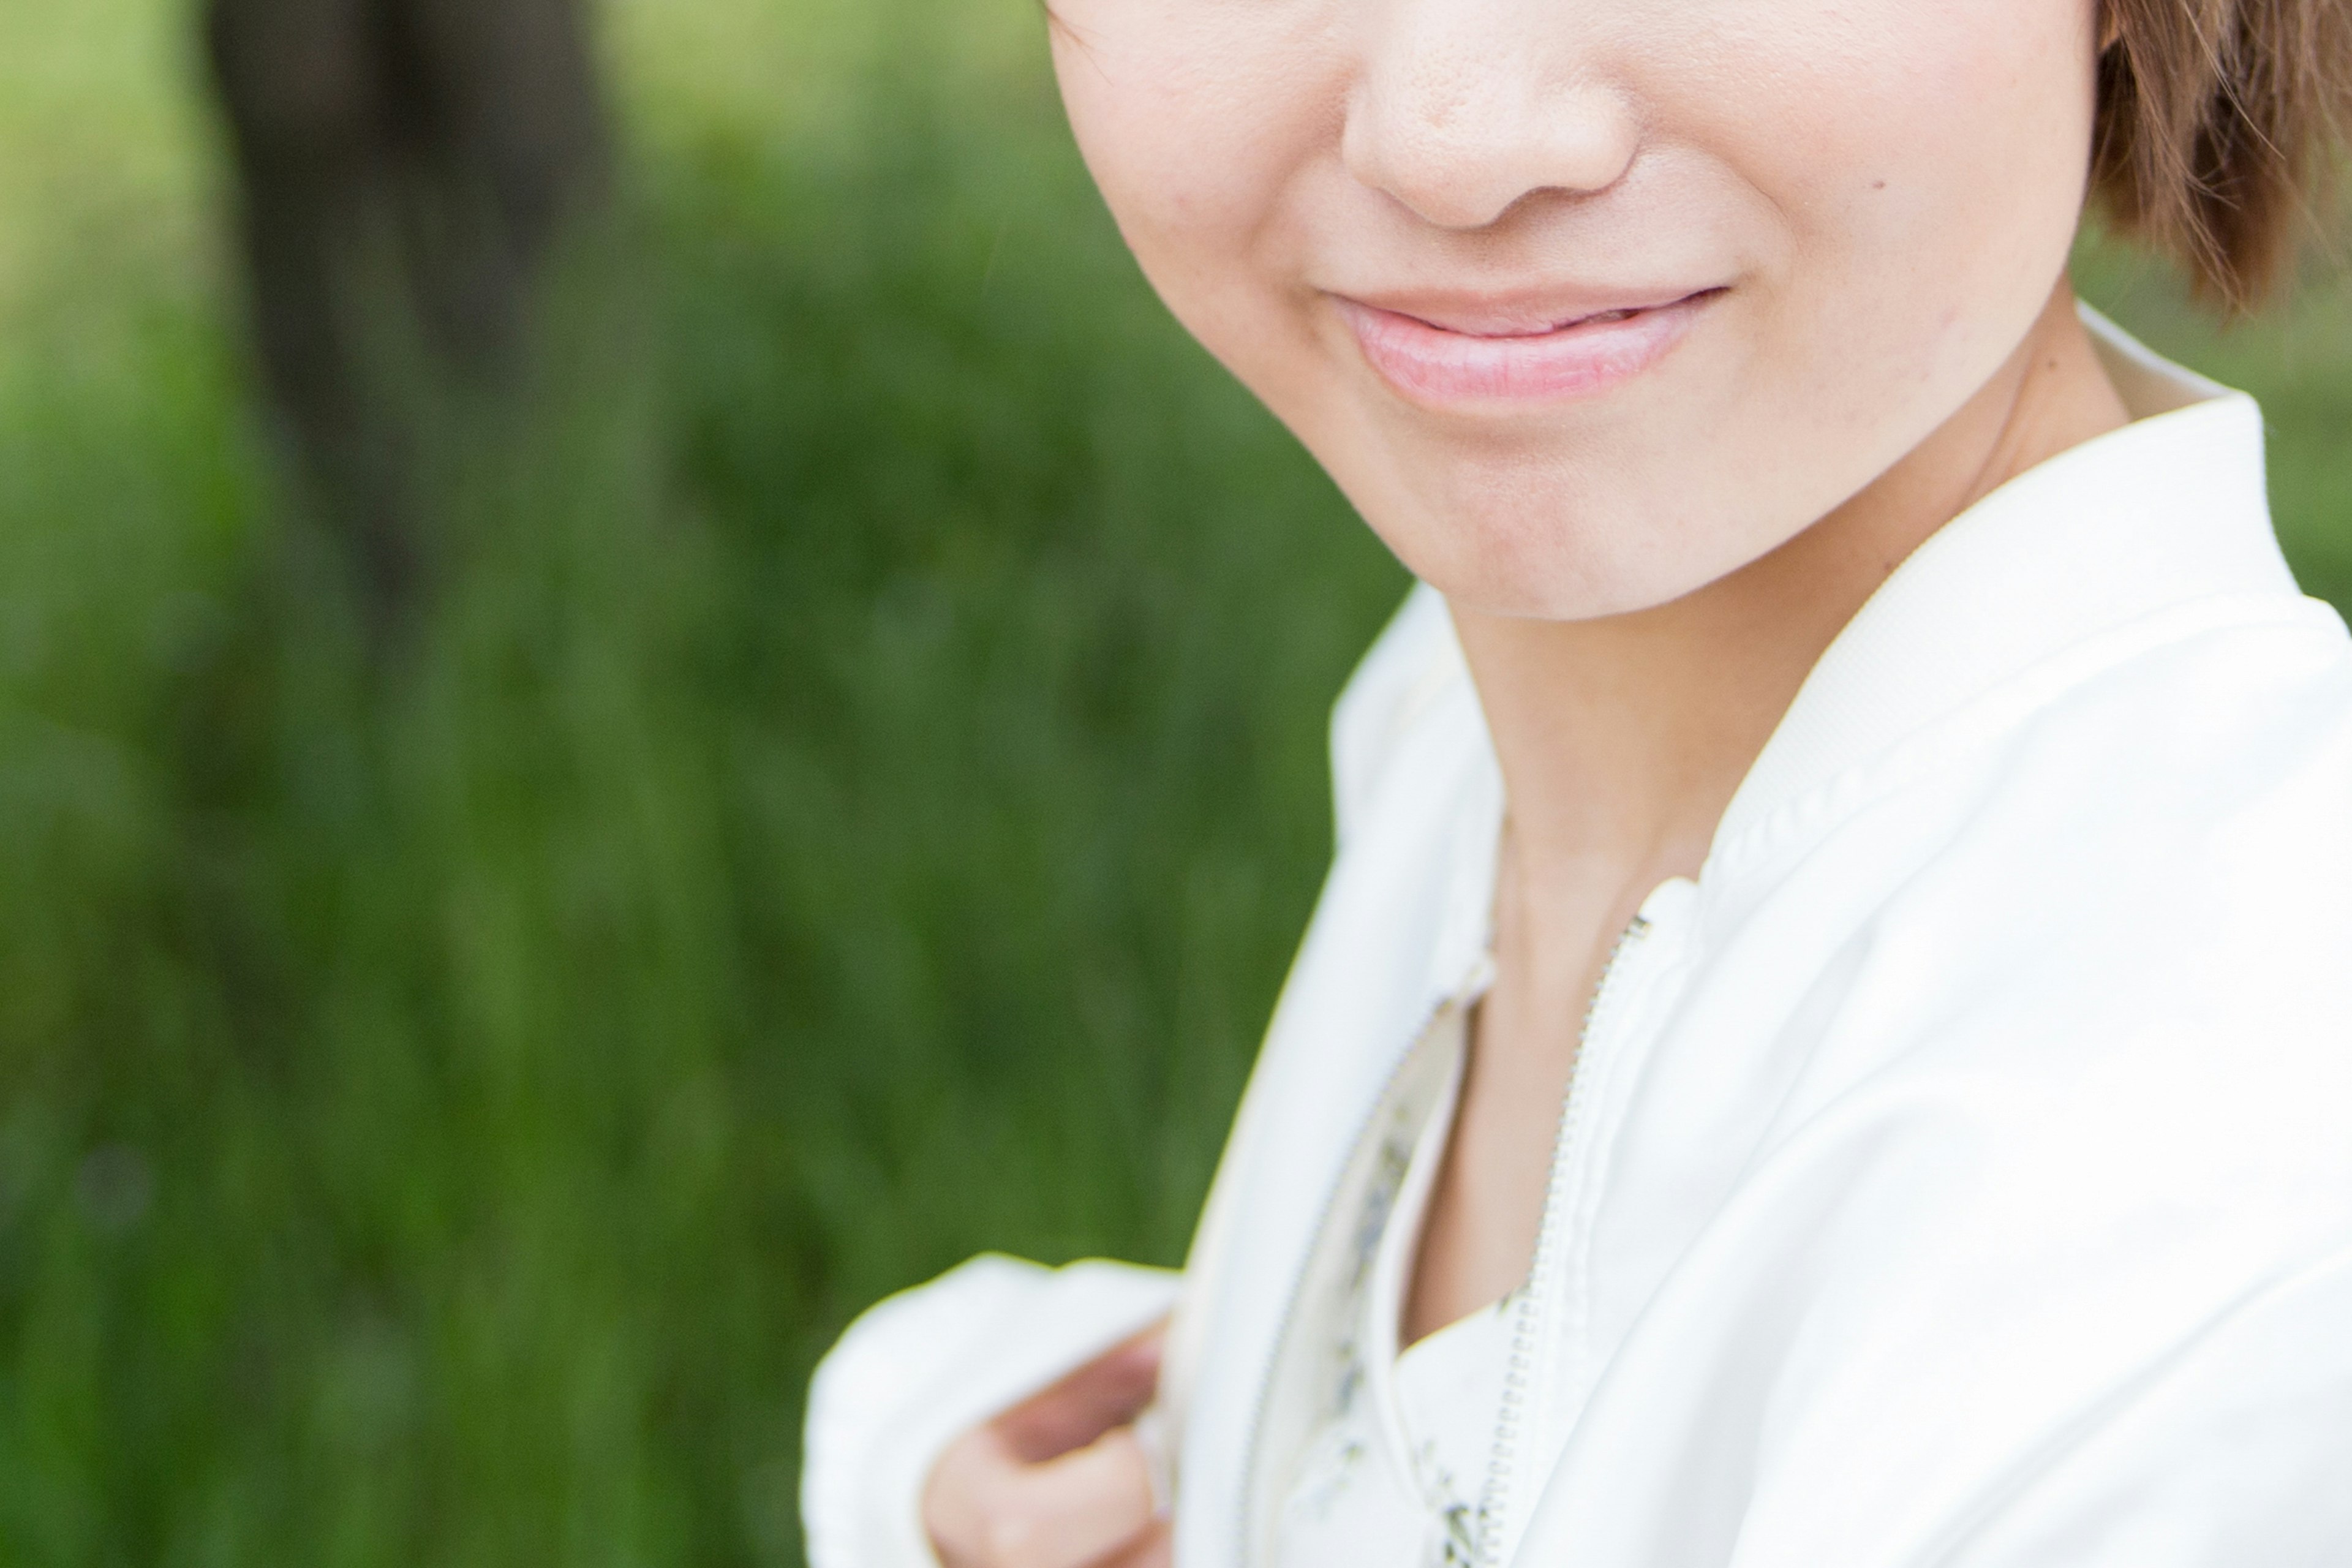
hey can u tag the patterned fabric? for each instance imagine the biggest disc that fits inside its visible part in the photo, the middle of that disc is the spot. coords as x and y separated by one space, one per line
1392 1475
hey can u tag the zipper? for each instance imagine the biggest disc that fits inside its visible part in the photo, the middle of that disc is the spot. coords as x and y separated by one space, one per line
1526 1332
1474 983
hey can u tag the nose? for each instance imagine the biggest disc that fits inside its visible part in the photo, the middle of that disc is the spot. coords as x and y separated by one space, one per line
1462 107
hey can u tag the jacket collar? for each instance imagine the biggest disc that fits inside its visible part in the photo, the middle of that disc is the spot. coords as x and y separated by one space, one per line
2169 508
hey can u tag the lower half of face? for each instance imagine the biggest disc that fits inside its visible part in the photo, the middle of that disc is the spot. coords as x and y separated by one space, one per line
1586 303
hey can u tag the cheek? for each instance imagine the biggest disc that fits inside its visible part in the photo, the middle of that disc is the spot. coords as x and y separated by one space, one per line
1922 167
1917 155
1193 118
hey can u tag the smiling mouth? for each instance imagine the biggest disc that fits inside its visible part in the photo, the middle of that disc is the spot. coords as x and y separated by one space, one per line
1597 317
1574 359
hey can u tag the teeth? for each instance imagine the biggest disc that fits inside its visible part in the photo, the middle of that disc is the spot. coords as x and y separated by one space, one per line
1599 318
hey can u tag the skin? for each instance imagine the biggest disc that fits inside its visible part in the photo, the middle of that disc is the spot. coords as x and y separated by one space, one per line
1845 223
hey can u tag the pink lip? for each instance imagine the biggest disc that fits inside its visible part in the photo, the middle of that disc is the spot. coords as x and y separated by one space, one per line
1577 359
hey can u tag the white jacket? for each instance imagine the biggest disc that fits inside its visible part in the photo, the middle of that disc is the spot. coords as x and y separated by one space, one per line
1958 1171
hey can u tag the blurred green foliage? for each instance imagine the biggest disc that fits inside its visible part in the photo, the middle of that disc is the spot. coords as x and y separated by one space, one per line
851 803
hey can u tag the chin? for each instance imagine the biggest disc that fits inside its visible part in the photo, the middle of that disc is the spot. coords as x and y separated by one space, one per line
1548 563
1519 519
1507 583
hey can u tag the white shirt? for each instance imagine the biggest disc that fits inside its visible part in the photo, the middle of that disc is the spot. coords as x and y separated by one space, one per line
1959 1173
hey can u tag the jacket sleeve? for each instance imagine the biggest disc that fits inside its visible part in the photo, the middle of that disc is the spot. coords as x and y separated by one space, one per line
927 1365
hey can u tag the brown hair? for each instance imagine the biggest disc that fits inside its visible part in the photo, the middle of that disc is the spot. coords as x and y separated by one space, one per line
2216 119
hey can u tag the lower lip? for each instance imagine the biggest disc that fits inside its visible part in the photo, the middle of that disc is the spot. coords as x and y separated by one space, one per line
1582 360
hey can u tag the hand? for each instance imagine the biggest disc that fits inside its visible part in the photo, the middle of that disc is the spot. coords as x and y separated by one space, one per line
1058 1481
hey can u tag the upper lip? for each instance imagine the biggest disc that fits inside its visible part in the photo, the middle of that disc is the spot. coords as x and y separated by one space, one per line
1531 313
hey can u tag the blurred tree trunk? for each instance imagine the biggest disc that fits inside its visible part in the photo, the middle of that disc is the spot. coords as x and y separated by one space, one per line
407 169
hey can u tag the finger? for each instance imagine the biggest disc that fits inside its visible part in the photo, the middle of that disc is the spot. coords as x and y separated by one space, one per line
1107 1392
970 1472
1070 1511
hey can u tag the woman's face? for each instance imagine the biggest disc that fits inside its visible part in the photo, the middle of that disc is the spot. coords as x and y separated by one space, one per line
1586 303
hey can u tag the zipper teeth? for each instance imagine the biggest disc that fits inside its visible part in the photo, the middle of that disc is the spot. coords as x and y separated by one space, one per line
1250 1480
1509 1418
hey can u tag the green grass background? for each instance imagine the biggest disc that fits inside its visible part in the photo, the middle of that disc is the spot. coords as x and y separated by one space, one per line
851 803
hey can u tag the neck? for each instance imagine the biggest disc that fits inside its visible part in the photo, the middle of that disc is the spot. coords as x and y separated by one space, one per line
1622 738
